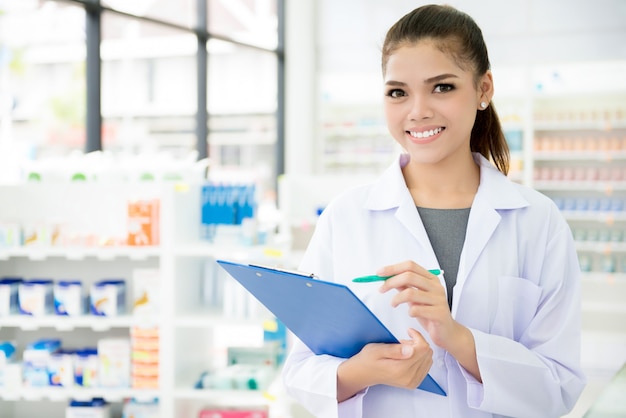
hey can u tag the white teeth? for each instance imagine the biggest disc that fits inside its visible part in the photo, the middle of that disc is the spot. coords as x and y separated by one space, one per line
425 134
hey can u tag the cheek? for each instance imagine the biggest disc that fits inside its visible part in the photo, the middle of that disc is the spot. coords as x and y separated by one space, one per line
393 115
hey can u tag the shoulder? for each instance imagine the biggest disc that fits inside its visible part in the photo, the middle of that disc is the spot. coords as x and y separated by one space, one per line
349 200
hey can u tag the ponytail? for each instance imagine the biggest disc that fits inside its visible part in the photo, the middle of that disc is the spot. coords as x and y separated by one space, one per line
488 139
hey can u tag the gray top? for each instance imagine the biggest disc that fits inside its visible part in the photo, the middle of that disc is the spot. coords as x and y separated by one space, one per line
446 232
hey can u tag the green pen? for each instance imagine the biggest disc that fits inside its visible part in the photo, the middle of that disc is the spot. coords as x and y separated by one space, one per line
374 278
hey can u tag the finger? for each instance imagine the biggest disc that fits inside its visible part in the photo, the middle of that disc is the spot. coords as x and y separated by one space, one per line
404 266
412 296
394 269
411 279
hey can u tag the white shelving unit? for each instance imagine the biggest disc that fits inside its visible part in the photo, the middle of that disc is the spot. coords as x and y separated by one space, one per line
189 329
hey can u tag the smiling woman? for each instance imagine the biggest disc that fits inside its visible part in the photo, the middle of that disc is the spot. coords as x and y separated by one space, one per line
484 329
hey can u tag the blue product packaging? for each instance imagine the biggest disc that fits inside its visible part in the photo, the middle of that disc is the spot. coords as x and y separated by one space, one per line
617 204
9 303
7 356
7 350
95 408
36 360
68 298
35 297
244 203
108 297
86 367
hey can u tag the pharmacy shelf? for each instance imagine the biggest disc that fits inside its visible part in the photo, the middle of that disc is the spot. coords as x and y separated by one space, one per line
594 186
39 253
579 156
225 397
608 218
57 394
574 126
188 329
601 247
67 323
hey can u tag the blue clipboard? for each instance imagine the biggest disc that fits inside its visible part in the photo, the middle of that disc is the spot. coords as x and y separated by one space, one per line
328 317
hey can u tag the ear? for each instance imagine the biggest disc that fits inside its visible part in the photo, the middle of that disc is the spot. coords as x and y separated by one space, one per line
485 89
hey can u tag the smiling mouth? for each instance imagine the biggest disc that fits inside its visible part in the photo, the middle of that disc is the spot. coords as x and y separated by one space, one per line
425 134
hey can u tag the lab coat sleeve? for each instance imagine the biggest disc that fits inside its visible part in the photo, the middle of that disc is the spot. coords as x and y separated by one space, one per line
539 375
312 379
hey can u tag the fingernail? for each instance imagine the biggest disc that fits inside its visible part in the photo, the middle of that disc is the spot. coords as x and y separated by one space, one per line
407 350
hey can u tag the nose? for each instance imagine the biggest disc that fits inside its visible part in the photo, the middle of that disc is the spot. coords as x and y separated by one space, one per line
420 107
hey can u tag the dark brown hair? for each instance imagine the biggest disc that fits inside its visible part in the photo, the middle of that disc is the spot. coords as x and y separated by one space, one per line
455 33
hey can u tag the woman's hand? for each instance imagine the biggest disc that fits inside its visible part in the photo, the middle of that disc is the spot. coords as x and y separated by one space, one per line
425 297
427 301
402 365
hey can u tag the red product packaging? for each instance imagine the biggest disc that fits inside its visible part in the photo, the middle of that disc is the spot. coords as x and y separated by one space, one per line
234 413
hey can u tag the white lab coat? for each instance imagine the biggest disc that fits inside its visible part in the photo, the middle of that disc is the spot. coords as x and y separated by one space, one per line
517 290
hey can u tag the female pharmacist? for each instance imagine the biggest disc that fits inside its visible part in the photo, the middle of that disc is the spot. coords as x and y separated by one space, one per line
499 330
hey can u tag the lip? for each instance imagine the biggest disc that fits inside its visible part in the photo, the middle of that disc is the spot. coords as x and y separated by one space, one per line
424 140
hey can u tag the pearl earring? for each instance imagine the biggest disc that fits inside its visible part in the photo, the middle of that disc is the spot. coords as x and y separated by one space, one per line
483 105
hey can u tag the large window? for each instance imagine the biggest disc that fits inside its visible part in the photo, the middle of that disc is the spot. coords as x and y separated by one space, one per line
42 78
172 76
149 86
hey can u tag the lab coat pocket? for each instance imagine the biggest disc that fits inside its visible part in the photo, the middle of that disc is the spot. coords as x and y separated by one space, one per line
518 299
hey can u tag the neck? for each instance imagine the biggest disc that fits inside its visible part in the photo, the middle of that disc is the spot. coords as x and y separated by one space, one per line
445 185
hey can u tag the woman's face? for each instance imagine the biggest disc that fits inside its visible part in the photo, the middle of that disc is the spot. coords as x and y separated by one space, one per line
431 103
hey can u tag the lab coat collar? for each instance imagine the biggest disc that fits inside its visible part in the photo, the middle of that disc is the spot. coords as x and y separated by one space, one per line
495 193
495 189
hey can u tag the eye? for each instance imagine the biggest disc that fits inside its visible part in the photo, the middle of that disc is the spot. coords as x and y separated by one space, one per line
396 93
443 88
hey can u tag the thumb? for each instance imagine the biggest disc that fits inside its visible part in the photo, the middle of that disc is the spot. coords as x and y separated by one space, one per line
406 350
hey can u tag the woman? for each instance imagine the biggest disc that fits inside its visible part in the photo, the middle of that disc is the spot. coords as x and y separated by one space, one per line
499 330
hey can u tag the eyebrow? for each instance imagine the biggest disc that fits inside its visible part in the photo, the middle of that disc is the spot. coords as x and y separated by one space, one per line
439 78
430 80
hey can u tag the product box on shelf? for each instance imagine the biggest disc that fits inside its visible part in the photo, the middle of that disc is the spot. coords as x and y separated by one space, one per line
10 234
9 287
144 409
114 355
108 297
61 368
257 412
7 358
143 222
36 360
145 357
95 408
35 297
86 367
146 285
68 298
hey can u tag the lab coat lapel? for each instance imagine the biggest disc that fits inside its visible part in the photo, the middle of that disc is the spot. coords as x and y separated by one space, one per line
409 217
495 193
481 224
389 193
